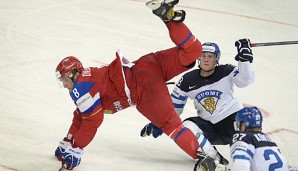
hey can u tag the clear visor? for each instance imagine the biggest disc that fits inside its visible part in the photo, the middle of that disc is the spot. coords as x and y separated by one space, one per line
58 77
236 126
61 81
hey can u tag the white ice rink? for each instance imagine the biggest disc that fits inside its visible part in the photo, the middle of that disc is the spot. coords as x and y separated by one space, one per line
36 114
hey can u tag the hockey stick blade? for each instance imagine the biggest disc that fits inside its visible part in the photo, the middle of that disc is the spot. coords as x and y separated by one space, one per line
154 4
170 83
62 168
274 43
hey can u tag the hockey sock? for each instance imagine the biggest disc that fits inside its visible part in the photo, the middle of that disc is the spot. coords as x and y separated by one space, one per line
206 146
204 143
182 37
186 140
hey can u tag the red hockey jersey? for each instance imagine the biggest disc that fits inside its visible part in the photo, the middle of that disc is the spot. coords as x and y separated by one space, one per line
95 92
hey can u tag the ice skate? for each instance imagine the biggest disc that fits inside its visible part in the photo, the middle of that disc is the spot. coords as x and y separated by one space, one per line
220 159
165 10
222 164
204 163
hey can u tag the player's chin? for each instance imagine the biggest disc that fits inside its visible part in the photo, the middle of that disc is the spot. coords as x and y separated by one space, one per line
207 68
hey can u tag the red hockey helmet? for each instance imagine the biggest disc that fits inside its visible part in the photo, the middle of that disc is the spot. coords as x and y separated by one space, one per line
67 67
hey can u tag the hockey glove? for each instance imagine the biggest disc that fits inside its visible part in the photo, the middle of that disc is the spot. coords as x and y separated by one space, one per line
151 129
71 158
63 144
244 51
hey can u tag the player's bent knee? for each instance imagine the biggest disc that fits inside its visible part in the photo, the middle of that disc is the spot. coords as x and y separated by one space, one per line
186 140
193 127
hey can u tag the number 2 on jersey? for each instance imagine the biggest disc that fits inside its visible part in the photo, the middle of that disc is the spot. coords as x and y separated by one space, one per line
270 154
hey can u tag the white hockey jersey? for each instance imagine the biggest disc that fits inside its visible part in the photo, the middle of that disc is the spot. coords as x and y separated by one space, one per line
213 95
255 151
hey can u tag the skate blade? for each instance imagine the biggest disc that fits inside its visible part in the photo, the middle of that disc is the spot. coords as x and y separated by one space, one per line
201 168
154 4
62 168
222 168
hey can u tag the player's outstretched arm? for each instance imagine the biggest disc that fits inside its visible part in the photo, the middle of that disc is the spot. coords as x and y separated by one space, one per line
245 75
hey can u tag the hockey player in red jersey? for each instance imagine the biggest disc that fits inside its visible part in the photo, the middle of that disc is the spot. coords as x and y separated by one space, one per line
142 83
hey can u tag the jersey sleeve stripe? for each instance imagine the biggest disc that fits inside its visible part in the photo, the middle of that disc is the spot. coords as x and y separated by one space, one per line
241 157
249 152
178 105
237 150
182 98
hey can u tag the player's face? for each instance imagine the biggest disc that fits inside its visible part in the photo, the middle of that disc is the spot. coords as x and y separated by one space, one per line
242 127
67 82
207 61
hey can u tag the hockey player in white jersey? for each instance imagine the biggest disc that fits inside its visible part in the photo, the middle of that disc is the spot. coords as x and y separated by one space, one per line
211 87
251 149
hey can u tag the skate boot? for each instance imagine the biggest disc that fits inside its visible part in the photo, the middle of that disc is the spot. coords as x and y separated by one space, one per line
220 159
165 10
204 163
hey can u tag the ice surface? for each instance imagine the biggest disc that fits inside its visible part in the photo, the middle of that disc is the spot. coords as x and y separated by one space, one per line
36 113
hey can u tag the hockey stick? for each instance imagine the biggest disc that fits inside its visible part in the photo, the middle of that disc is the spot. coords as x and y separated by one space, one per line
170 83
62 168
274 43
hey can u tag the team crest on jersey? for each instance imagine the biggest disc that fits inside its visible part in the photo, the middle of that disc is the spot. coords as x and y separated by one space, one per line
208 99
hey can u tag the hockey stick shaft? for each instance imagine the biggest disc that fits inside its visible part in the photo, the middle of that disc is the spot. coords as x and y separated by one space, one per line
62 168
170 83
274 43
